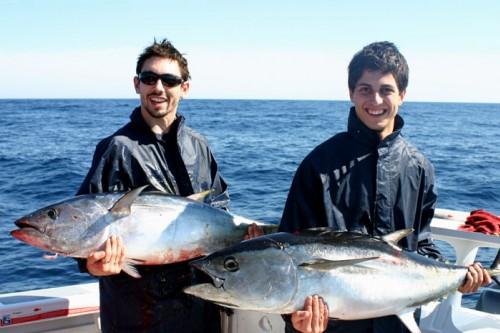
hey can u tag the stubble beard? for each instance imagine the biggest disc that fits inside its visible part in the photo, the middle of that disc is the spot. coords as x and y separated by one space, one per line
158 114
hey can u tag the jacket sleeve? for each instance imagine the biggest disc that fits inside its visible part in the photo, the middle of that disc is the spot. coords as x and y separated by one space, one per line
107 173
304 207
103 172
220 193
426 244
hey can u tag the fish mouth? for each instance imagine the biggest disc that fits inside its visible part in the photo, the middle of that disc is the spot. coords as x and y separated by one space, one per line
27 232
34 235
218 282
209 286
209 292
205 276
24 224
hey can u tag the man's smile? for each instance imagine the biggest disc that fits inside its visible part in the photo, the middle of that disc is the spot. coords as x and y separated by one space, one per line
375 111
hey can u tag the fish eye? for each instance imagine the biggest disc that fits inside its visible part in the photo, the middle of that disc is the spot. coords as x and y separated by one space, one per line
231 264
51 214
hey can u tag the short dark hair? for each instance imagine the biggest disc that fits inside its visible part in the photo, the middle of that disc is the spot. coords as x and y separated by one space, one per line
163 49
382 56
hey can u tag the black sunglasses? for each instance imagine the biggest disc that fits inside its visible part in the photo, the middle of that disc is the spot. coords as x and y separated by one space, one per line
168 80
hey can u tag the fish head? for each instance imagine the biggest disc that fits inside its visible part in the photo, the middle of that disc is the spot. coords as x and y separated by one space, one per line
245 276
60 228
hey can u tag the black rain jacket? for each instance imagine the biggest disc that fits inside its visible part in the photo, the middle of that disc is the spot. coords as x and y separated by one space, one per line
135 156
179 163
356 182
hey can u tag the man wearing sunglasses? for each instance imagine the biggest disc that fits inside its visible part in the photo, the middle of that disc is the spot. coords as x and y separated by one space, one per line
157 148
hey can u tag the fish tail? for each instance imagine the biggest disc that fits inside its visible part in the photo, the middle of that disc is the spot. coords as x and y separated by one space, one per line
496 261
494 268
270 229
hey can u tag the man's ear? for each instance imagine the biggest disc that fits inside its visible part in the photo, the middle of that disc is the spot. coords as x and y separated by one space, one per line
185 88
136 84
402 96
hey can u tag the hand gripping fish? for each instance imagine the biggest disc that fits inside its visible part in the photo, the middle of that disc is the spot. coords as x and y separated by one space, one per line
156 228
358 276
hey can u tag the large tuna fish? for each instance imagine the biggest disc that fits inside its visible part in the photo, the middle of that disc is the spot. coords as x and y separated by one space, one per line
156 228
359 276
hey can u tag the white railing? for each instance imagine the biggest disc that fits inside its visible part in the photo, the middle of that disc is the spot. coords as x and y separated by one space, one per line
445 317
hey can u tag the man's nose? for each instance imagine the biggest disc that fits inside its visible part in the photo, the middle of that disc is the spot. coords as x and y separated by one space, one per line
377 98
159 85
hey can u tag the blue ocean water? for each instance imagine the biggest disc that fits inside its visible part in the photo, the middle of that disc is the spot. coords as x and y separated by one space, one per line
46 148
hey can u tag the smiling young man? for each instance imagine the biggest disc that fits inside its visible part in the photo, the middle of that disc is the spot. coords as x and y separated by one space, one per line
157 148
369 179
376 99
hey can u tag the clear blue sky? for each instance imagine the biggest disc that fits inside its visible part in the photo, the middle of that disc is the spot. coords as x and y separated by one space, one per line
252 49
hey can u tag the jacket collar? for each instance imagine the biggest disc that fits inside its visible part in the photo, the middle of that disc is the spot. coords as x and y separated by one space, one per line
368 137
137 119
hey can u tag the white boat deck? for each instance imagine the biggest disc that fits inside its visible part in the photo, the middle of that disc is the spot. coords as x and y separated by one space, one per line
51 310
76 308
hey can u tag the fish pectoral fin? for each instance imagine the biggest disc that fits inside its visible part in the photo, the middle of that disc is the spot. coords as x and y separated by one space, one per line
319 231
122 206
131 270
409 320
227 305
52 256
326 264
134 262
199 196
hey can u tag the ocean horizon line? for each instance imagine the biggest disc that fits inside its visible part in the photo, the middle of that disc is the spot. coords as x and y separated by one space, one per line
225 99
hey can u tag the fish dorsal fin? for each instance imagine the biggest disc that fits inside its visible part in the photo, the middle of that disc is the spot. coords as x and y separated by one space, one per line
199 196
122 206
327 265
394 237
409 320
